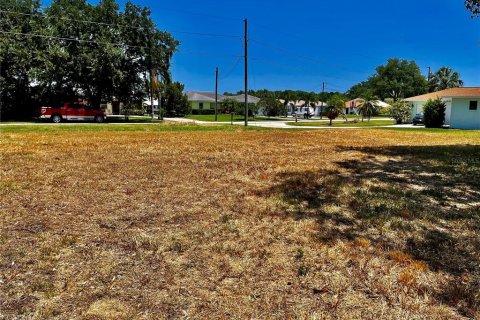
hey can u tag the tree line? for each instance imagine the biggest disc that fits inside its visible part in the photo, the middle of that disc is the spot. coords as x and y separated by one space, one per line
76 50
275 102
399 79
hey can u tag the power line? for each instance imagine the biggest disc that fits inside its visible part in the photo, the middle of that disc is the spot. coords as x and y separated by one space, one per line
203 15
303 40
302 57
229 72
123 26
296 68
72 39
210 53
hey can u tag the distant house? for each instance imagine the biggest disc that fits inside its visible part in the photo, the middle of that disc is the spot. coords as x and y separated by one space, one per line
351 107
301 107
462 106
202 101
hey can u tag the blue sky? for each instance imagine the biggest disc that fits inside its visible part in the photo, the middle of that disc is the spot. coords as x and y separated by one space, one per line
299 44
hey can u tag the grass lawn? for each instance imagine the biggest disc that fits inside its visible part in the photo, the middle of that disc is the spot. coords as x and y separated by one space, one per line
227 117
353 116
168 221
107 127
136 119
372 123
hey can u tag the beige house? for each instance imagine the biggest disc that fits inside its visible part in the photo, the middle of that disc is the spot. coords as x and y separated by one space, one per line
204 101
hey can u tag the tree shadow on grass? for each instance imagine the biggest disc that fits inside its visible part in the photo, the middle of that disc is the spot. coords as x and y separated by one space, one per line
427 197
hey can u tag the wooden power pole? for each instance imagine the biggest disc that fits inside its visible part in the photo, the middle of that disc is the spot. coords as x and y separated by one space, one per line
246 72
216 94
323 96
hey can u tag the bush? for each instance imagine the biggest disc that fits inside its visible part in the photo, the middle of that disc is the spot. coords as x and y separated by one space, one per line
272 107
434 113
400 111
230 105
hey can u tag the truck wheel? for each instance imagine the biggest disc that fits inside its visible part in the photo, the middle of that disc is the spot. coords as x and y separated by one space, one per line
56 118
99 119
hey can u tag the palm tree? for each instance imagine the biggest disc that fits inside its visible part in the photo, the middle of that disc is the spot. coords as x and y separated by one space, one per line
368 107
335 107
287 97
443 79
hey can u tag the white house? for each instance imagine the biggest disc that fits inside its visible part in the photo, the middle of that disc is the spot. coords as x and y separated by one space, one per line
300 107
351 107
462 110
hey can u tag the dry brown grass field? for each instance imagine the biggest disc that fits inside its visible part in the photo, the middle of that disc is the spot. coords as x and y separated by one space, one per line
234 224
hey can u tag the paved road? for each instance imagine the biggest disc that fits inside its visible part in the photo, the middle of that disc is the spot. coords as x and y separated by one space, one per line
283 125
262 124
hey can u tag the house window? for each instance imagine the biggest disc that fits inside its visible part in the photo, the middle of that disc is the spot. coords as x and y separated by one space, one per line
212 106
200 105
473 105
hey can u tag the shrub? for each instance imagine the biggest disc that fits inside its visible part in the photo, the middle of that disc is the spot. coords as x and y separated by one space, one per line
231 105
400 111
272 107
434 113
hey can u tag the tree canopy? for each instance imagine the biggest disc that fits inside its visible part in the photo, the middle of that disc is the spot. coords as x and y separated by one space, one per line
272 107
291 95
397 79
74 49
473 6
444 78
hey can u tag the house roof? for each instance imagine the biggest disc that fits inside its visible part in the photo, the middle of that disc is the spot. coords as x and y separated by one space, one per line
206 96
241 98
353 103
466 92
202 96
301 103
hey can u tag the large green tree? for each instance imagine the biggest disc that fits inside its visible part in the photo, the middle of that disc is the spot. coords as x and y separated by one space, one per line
398 79
74 49
21 57
444 78
176 102
360 90
473 6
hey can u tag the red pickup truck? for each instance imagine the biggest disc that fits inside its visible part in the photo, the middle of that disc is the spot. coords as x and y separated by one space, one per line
73 111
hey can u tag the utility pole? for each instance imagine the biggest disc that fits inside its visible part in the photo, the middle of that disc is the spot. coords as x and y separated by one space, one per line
216 94
246 72
323 96
429 73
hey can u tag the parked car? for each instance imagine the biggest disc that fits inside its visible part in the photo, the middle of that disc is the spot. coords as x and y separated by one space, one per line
305 115
73 111
418 119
